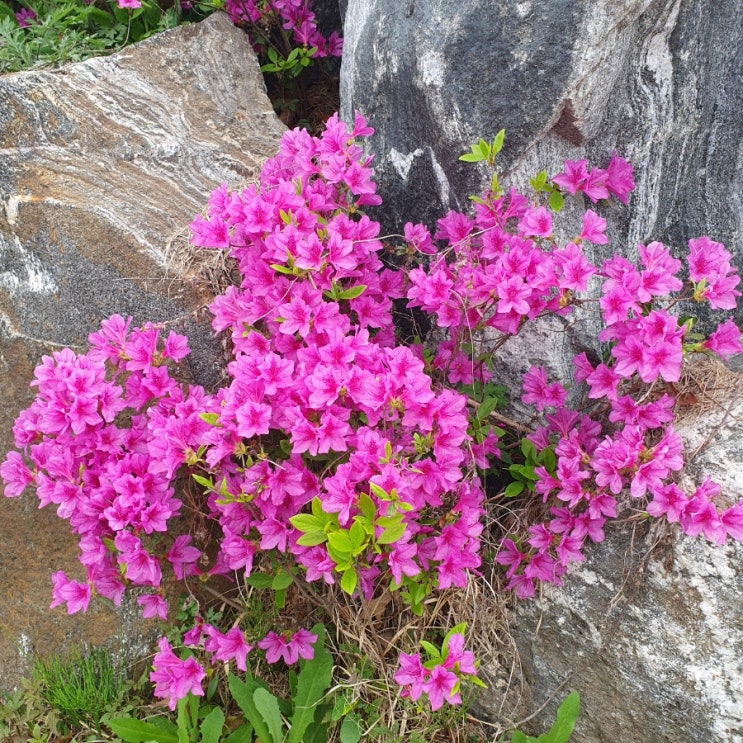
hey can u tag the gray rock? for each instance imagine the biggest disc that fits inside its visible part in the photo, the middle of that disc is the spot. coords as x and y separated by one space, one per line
104 163
658 81
650 639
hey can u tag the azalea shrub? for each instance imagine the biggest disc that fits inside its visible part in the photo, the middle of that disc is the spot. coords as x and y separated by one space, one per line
294 20
335 454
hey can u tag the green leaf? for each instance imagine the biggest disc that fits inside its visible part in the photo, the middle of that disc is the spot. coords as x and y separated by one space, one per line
477 153
314 680
391 534
312 538
343 560
367 507
279 267
458 629
350 729
349 581
6 12
471 158
497 145
211 726
137 731
281 581
183 719
268 707
242 693
353 292
486 407
211 418
519 737
539 181
243 734
259 580
392 527
549 459
357 535
380 492
567 715
514 489
318 731
433 652
306 522
205 482
341 541
524 472
317 511
529 450
556 201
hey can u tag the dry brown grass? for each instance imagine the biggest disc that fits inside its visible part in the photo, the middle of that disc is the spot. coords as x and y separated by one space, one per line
706 384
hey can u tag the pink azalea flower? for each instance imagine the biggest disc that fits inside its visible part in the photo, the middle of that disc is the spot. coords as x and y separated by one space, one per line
175 678
226 647
603 382
703 518
537 392
709 264
153 605
573 177
619 177
303 642
401 561
454 227
706 258
576 269
441 686
253 419
457 658
71 592
732 520
411 674
594 228
616 304
277 646
669 501
595 185
183 557
523 584
537 222
129 3
419 237
15 474
274 645
583 367
725 341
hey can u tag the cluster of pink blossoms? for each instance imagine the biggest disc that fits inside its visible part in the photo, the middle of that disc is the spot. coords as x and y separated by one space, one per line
639 450
491 275
326 420
86 439
439 680
315 364
322 410
504 267
295 16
